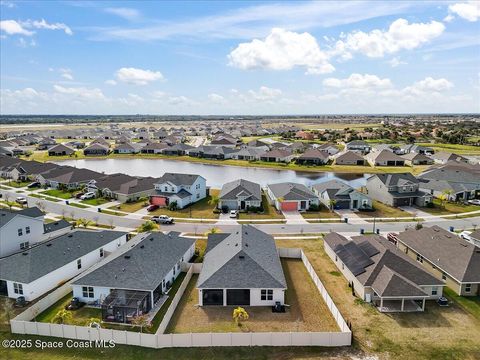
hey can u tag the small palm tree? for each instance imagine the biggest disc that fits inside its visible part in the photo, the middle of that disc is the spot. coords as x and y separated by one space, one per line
214 199
62 317
445 196
331 204
83 222
93 322
239 315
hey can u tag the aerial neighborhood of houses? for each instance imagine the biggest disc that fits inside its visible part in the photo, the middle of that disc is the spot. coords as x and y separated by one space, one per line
89 254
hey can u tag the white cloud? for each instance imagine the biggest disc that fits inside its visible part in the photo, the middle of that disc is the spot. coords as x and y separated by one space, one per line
449 18
178 100
469 10
138 76
66 73
265 94
111 82
80 92
282 50
400 35
396 62
11 27
42 24
126 13
428 85
216 98
359 81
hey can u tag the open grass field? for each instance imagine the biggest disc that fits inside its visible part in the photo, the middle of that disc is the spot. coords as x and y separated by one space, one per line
337 126
382 210
438 333
269 212
302 296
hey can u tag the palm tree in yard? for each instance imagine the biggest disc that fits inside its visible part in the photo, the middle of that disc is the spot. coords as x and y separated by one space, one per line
331 204
214 199
446 196
62 316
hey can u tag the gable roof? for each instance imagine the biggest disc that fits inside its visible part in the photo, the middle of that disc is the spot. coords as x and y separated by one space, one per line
245 188
350 156
45 257
246 258
142 265
399 179
314 154
7 215
445 250
178 179
291 191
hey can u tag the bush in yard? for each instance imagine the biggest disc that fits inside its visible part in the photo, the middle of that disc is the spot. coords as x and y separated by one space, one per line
62 317
173 206
147 226
314 207
239 315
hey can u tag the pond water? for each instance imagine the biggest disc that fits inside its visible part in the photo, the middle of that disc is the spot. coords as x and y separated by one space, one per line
216 175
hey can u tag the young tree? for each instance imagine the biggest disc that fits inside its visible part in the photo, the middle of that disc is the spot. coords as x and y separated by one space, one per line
214 199
445 196
83 222
331 204
147 226
142 321
62 317
239 315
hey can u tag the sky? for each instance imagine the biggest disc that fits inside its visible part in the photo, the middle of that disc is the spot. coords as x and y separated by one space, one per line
239 58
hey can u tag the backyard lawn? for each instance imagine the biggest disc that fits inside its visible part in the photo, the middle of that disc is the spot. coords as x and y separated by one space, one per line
307 311
382 210
58 193
449 208
269 212
199 210
438 333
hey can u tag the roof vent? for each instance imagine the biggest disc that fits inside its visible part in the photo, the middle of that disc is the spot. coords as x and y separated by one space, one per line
49 244
241 257
246 245
55 223
142 246
151 239
127 256
25 253
236 244
70 235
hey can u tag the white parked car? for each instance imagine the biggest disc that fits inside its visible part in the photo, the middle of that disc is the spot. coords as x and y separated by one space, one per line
21 200
233 214
466 235
474 202
87 195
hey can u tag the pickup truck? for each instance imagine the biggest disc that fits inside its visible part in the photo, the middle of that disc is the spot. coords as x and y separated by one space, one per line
163 219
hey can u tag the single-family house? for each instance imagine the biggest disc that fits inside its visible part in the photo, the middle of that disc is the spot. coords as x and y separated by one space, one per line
154 148
96 149
60 150
442 157
339 195
350 158
122 187
397 190
385 158
291 196
249 153
68 177
414 158
136 277
241 269
445 255
418 149
359 145
127 148
381 274
184 189
330 149
277 155
41 268
240 195
313 157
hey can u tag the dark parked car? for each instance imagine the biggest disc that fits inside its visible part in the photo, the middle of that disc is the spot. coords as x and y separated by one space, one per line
152 207
35 184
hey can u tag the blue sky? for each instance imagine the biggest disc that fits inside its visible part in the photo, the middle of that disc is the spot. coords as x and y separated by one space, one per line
121 57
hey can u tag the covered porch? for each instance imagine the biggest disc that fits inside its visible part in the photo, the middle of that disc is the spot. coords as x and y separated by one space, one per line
122 306
400 304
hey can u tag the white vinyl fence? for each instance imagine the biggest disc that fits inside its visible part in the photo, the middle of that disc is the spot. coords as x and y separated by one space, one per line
22 324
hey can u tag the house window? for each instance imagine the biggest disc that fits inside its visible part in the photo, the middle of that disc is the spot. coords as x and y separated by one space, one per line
20 232
174 271
420 258
88 292
434 290
101 252
444 276
18 288
266 294
27 230
79 263
343 266
24 245
166 188
198 196
178 266
468 288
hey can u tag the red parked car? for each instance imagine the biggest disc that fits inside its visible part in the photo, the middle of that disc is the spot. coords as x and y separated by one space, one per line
152 207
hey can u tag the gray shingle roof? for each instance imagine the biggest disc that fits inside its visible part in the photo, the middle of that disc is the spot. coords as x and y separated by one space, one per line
291 191
245 188
47 256
56 225
396 179
445 250
143 265
7 215
178 179
247 258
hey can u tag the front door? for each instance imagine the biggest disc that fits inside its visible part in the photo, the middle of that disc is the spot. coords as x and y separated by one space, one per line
3 288
242 205
355 204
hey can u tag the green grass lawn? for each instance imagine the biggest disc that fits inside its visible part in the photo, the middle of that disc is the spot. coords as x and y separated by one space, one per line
449 208
456 148
18 184
382 210
322 213
130 207
81 206
49 198
95 202
470 304
112 212
58 193
200 209
269 212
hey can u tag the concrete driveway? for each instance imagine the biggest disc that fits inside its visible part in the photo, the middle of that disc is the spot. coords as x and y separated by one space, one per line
415 211
294 217
351 215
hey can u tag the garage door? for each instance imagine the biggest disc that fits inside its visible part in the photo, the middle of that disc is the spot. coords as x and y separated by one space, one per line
289 206
212 297
158 200
238 297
